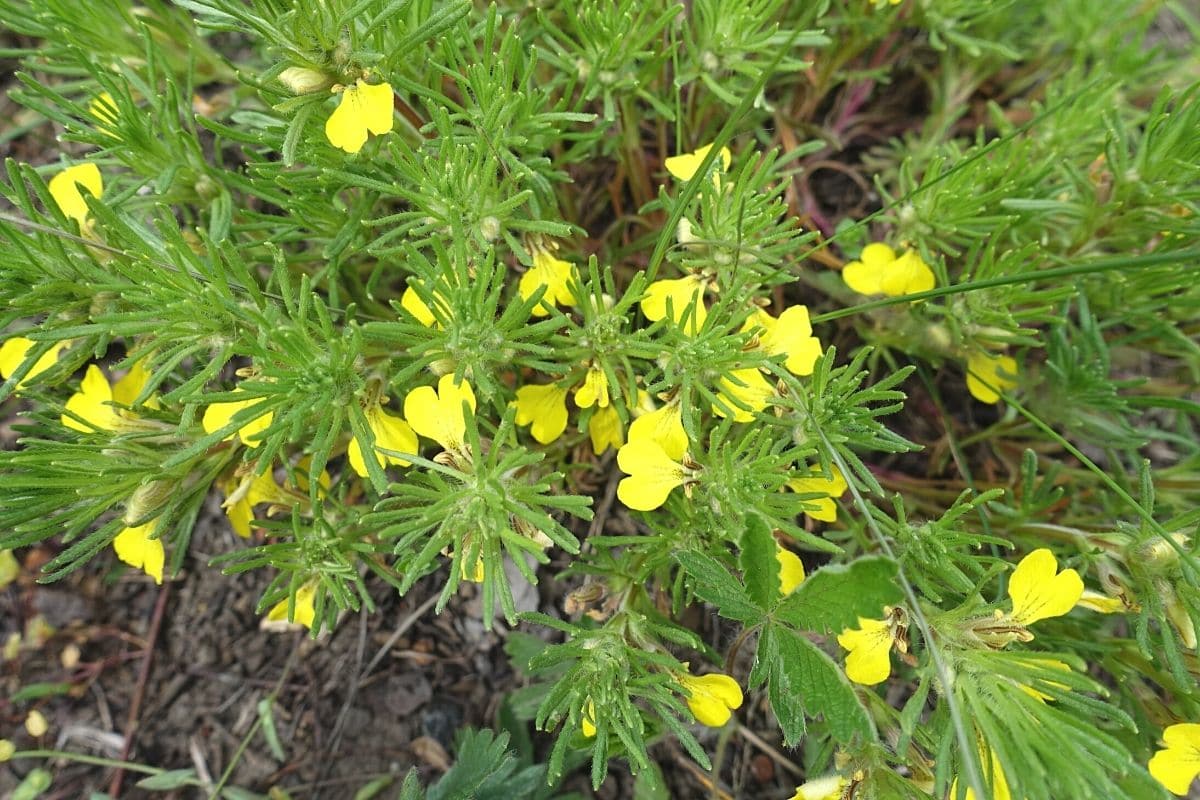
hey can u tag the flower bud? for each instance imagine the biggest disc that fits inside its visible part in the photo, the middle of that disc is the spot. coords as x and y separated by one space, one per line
302 80
146 501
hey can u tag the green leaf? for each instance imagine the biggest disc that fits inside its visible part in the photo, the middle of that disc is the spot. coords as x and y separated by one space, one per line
760 568
171 779
835 596
806 676
35 691
713 584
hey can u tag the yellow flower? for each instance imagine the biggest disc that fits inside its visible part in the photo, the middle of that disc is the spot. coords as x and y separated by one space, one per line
594 390
93 402
1102 603
104 109
683 167
135 547
476 575
306 608
242 497
712 698
411 302
791 570
880 271
364 107
686 296
745 392
439 415
663 427
988 375
391 433
553 273
64 188
587 721
9 568
1178 764
604 428
830 787
870 646
652 474
13 353
7 749
994 774
816 483
545 407
218 415
790 336
1039 591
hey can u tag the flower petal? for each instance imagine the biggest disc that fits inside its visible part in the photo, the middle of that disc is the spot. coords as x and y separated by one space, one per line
652 475
305 611
712 698
906 275
664 427
439 415
64 189
791 570
745 391
816 483
988 375
13 353
686 296
1038 593
604 428
594 389
135 547
363 108
91 404
870 646
683 167
553 273
545 406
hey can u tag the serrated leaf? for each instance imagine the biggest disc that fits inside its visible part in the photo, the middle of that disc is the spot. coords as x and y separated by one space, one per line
811 677
760 568
835 596
714 584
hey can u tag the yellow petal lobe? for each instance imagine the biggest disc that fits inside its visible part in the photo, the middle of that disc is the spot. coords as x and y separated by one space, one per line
683 167
791 570
604 429
594 390
685 296
439 415
92 404
135 547
363 108
869 649
13 353
652 475
64 189
545 408
1177 765
818 484
988 375
664 427
1036 590
391 433
712 698
745 391
553 273
306 608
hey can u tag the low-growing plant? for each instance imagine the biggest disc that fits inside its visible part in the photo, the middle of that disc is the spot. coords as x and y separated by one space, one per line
869 326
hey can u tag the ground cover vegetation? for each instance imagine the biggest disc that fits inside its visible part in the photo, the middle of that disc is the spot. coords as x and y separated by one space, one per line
838 358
